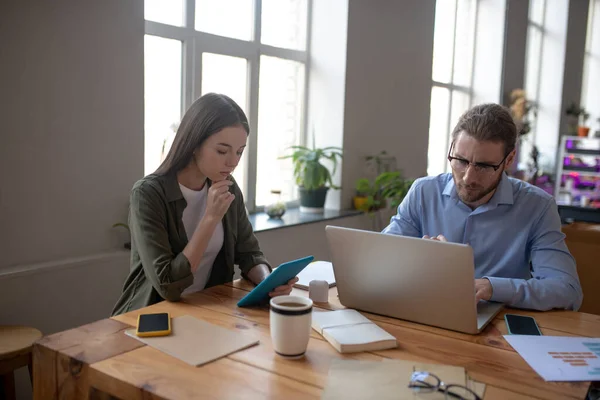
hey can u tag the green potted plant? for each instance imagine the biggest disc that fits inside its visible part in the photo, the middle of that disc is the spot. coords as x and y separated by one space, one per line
367 195
389 187
312 177
394 187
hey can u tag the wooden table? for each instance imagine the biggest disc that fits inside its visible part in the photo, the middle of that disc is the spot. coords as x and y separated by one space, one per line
99 361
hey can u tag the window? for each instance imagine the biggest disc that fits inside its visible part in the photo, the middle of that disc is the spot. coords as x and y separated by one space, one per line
254 51
533 67
452 75
591 69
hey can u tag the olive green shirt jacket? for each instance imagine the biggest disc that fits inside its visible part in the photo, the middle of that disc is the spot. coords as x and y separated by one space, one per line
159 269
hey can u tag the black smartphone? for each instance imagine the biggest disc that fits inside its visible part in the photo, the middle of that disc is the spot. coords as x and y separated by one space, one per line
153 325
521 325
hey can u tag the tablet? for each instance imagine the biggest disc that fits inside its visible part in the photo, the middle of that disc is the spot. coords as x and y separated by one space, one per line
280 276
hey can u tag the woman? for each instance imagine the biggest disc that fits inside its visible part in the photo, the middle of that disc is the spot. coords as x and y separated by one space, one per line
188 220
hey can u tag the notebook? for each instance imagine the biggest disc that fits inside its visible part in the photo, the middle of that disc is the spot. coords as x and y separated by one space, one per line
318 270
388 379
348 331
197 342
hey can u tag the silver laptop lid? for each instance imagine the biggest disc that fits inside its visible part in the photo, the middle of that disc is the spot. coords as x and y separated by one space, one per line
424 281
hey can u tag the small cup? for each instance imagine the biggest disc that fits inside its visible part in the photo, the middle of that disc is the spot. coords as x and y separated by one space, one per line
290 322
318 291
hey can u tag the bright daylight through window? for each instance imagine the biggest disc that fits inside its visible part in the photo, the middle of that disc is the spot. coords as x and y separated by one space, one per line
254 51
452 76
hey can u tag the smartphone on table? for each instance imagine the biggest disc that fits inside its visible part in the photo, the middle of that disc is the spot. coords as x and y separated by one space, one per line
521 325
149 325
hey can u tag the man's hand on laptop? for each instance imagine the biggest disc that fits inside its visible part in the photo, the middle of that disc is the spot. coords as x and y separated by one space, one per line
483 289
439 238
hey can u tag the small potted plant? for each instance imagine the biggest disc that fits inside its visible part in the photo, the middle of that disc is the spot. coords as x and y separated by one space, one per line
367 195
583 130
389 187
394 187
312 177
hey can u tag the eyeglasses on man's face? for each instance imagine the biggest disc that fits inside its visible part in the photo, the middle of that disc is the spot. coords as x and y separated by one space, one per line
426 382
460 165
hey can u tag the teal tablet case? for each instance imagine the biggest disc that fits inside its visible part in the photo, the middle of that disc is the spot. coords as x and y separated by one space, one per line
280 276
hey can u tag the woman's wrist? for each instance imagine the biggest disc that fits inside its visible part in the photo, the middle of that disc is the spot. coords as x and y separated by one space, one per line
258 273
208 222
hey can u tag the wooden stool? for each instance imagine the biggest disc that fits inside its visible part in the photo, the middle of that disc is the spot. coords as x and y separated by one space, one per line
15 352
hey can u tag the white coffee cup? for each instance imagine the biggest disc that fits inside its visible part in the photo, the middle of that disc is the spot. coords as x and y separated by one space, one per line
290 322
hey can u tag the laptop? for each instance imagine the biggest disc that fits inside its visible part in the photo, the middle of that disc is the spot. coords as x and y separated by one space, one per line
424 281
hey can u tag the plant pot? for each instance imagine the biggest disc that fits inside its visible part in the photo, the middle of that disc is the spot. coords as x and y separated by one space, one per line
360 203
583 131
312 201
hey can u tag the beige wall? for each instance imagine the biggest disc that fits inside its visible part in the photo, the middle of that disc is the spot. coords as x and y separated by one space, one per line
388 86
72 125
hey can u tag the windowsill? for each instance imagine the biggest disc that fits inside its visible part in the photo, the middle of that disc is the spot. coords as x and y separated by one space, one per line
292 217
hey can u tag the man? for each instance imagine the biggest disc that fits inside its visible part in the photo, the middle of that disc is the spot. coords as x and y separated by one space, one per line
521 258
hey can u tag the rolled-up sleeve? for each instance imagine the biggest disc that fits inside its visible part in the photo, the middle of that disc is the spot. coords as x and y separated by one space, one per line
169 273
247 249
407 221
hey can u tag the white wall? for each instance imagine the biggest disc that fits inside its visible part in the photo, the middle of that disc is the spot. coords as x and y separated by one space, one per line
327 78
590 98
489 50
551 85
388 86
72 125
72 146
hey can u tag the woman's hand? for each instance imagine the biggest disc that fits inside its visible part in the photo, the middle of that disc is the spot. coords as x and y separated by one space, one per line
284 290
219 199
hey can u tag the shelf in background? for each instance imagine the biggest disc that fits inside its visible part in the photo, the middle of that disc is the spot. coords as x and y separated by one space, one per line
580 172
583 152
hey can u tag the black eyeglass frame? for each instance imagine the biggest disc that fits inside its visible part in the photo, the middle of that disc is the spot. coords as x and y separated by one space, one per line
439 387
480 165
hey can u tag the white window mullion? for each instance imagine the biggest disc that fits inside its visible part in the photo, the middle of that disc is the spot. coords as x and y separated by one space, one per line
189 72
168 31
226 46
304 132
451 86
254 75
288 54
539 68
474 56
189 16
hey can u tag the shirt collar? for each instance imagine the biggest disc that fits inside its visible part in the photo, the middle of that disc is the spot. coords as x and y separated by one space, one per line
503 195
172 190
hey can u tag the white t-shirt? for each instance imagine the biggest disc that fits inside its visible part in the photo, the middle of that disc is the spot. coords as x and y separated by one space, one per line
193 213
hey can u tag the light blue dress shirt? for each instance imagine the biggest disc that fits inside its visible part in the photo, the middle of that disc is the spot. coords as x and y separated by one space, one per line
520 224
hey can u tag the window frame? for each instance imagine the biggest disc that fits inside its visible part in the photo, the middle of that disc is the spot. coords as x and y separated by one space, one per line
194 43
533 98
452 87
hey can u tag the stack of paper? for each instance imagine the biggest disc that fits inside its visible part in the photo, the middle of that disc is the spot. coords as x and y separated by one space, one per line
197 342
350 379
560 358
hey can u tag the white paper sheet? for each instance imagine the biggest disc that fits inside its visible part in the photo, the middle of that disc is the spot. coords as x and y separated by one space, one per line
319 270
559 358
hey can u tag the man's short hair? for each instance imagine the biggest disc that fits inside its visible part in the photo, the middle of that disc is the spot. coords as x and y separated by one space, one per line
488 122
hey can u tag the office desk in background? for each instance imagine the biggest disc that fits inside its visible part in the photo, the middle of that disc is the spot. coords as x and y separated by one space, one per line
98 360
